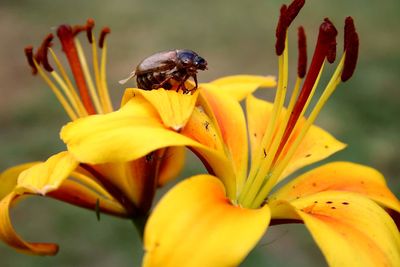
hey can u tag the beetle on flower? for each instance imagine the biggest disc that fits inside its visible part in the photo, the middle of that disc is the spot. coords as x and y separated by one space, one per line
112 185
216 219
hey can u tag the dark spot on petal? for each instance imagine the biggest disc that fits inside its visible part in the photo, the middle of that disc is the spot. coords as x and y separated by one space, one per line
333 208
326 146
255 135
308 155
329 202
293 186
315 202
345 203
314 184
206 124
149 157
265 153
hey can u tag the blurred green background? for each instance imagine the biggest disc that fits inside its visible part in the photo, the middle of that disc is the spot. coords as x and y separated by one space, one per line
235 37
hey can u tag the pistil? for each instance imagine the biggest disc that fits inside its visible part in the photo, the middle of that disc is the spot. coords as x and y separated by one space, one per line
66 36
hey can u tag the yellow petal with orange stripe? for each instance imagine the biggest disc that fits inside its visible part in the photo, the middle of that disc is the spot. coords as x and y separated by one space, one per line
341 176
350 229
227 115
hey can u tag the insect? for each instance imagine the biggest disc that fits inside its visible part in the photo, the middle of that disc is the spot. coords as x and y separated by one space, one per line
164 69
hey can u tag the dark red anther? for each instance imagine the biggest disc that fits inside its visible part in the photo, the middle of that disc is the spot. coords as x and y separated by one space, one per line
287 15
351 45
89 29
302 59
42 53
331 55
66 35
29 56
281 31
103 34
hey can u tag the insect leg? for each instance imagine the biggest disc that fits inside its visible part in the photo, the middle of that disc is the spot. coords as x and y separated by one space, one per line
195 81
165 83
182 84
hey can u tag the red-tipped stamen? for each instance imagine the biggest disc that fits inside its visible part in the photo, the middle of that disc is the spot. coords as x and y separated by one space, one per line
29 56
302 46
326 37
351 45
89 29
331 54
103 34
42 53
288 14
66 36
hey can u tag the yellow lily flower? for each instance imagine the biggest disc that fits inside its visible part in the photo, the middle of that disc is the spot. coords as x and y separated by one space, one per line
121 188
216 219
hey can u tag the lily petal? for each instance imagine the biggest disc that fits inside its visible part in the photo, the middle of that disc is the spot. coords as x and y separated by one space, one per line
119 136
204 130
317 144
47 176
350 229
9 177
9 236
240 86
341 176
173 108
196 225
135 103
228 116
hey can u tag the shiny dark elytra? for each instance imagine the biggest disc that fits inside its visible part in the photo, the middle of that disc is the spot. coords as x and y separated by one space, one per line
163 68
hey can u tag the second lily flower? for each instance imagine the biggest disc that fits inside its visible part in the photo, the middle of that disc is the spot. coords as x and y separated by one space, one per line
215 220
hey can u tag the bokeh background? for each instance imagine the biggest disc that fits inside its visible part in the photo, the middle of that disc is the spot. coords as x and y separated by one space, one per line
235 37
